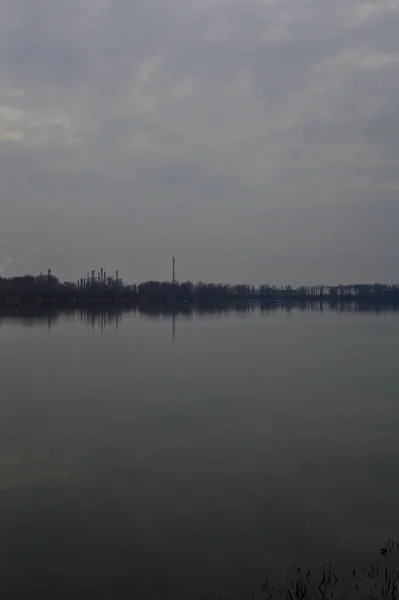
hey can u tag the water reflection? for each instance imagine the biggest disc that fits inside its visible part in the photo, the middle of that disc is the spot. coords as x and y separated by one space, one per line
265 435
103 316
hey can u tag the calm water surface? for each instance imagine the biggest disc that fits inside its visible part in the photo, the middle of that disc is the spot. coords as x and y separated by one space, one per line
132 455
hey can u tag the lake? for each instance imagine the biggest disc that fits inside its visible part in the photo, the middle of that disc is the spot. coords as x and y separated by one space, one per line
160 453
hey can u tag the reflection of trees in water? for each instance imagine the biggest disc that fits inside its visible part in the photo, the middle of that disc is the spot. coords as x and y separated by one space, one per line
105 316
100 317
30 316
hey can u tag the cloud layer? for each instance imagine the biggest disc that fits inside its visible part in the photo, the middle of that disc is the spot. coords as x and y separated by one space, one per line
256 140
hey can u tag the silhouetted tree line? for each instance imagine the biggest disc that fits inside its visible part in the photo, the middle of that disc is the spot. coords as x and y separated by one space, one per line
49 287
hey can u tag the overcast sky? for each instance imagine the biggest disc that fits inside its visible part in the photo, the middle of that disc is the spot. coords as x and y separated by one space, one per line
256 140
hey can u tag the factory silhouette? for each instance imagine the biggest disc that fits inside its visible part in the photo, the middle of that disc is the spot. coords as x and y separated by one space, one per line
100 287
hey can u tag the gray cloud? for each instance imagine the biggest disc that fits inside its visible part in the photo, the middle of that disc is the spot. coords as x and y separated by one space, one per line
254 140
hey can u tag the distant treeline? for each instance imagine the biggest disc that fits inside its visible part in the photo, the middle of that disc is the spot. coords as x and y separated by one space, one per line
50 288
